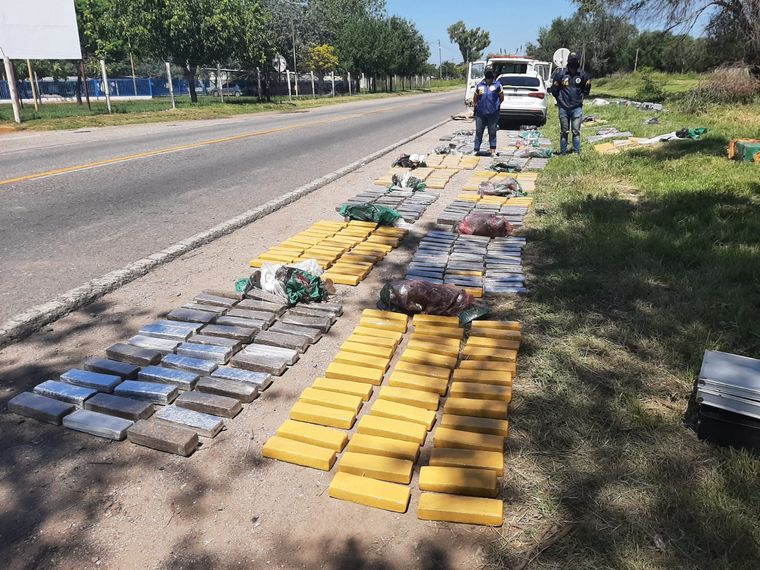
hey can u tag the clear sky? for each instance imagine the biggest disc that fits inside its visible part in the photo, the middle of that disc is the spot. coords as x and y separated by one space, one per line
511 23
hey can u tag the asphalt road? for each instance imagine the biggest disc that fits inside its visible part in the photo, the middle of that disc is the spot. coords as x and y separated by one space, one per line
111 196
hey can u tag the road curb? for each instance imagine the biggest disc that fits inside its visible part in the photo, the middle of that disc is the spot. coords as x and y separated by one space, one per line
30 321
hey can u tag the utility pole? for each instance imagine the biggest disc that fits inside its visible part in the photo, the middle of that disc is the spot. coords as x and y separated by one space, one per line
258 80
171 85
287 76
12 89
313 90
219 82
105 83
349 83
440 61
134 79
332 78
636 62
31 82
295 65
37 83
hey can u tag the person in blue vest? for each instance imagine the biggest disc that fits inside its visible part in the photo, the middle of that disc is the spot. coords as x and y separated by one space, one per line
487 101
570 86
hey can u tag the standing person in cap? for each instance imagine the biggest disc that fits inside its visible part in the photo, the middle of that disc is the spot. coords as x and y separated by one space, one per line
570 85
487 101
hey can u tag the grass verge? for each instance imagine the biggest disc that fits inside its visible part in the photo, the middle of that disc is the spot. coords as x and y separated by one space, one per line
639 262
627 85
60 116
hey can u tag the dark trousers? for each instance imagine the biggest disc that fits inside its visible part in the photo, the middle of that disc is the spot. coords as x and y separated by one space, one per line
481 122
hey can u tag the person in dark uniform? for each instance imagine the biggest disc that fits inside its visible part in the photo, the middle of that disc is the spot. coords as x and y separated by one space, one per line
570 86
487 101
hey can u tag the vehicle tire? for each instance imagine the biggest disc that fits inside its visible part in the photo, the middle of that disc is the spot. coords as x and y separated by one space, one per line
238 93
503 124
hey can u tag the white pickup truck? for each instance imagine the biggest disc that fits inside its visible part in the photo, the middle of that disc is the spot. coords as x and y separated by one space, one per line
525 86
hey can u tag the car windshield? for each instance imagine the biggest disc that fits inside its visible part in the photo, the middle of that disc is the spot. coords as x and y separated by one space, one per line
519 81
478 70
510 67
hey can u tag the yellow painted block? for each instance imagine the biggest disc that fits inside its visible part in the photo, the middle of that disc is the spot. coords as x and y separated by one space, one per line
504 334
361 389
369 331
384 240
394 410
385 352
452 457
495 377
480 391
476 292
428 359
481 408
459 439
502 343
341 279
358 265
478 425
423 369
465 364
465 272
434 330
313 435
256 262
384 446
410 397
453 508
300 453
499 325
331 399
458 481
277 257
322 415
395 429
450 342
347 269
387 315
418 382
383 324
370 492
364 360
342 371
486 353
356 338
421 319
433 347
377 467
360 258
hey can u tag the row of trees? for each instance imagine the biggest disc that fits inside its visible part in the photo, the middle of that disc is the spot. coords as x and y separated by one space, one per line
312 35
603 33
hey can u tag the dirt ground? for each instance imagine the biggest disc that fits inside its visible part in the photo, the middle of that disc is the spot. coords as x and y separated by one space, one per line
70 500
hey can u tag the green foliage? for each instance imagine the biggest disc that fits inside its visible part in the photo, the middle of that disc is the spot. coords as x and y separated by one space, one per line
649 90
321 58
471 42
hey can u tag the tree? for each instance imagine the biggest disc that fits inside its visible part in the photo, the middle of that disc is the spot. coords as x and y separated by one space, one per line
190 33
321 58
409 51
363 45
734 23
471 42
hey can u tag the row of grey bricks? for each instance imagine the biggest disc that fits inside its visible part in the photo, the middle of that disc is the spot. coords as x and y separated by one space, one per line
180 376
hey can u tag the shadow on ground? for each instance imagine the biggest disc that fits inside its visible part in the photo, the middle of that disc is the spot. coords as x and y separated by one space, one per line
626 296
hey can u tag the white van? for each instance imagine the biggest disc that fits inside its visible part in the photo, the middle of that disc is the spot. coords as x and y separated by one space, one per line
504 65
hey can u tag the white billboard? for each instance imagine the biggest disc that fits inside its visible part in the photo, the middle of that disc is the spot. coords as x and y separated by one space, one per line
39 29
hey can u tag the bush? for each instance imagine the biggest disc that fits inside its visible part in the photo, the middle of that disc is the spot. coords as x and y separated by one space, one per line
727 85
649 90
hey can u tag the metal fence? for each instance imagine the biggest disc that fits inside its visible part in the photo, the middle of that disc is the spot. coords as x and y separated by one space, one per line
119 87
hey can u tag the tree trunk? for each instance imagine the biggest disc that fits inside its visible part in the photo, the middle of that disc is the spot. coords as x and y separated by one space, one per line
190 78
79 86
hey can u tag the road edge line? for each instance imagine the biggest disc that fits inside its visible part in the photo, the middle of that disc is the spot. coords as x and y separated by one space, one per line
31 320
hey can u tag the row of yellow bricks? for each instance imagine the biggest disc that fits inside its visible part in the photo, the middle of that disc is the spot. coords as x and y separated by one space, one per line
439 170
467 456
348 250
